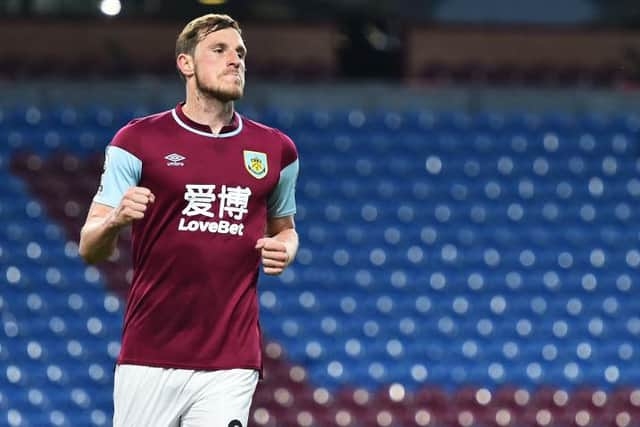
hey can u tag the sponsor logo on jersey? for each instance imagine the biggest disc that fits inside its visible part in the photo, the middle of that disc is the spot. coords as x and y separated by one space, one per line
175 159
224 208
256 163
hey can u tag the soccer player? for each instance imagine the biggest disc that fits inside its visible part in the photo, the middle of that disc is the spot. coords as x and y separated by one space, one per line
209 195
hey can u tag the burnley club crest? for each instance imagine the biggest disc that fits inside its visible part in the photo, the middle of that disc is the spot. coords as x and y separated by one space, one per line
256 163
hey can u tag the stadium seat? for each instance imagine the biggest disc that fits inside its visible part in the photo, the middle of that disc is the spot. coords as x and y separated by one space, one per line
464 269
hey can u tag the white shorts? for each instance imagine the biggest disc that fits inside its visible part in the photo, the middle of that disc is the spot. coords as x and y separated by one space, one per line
145 396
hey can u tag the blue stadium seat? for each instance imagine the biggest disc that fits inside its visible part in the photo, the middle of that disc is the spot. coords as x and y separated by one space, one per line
437 249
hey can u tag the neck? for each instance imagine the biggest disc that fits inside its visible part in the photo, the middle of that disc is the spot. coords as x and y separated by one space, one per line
209 111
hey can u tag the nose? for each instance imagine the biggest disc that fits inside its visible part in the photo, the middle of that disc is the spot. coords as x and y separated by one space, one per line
234 59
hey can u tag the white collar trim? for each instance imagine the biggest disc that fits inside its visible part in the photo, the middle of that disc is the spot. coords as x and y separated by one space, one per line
210 135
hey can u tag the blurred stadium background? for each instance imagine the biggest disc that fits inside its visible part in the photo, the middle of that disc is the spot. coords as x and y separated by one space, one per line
467 206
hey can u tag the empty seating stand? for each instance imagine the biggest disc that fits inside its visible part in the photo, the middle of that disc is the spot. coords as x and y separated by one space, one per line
455 270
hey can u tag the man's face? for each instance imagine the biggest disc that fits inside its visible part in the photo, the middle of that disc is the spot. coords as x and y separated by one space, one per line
219 65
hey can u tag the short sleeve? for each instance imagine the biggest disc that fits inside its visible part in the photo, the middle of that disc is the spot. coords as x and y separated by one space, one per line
122 170
282 201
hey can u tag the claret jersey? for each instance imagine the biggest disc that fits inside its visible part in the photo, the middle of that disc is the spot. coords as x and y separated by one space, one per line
193 300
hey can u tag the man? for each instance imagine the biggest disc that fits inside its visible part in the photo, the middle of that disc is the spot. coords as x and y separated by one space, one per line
209 195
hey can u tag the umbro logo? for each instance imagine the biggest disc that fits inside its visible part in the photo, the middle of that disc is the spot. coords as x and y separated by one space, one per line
175 159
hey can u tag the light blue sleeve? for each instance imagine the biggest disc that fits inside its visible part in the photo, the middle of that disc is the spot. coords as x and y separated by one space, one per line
282 202
122 170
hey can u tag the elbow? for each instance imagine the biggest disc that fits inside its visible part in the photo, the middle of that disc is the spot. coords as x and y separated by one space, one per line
92 259
86 255
89 260
97 243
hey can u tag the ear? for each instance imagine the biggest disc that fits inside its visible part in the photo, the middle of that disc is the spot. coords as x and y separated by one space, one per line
184 63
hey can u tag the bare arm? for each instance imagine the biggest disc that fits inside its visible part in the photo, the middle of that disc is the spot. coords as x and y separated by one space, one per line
279 247
99 234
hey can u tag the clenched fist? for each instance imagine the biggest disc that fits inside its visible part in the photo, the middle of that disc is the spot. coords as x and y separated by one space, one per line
274 255
133 205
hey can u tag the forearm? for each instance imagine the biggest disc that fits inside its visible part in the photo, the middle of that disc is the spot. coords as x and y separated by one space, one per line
98 239
290 239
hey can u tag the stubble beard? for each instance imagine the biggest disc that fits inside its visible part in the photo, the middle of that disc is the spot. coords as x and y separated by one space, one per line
219 92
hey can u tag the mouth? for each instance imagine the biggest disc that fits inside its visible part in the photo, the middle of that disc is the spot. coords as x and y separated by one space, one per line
234 78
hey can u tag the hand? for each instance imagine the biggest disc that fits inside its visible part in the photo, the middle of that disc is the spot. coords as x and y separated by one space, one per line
274 255
133 205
